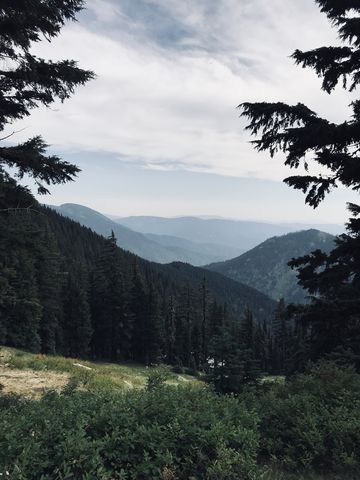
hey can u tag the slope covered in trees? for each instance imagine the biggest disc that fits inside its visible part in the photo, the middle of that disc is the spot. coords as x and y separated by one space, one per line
266 268
156 248
65 289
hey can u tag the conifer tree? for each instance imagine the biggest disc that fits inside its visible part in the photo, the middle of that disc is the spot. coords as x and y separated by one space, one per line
112 322
248 329
204 321
77 327
138 299
280 337
153 338
185 326
21 309
170 332
26 82
332 319
49 281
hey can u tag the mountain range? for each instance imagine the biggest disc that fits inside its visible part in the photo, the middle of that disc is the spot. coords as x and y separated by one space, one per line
156 248
198 241
242 235
265 266
212 242
167 278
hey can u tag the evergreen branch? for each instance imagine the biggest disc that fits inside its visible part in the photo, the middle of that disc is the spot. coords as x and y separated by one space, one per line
349 30
335 8
29 159
332 63
314 187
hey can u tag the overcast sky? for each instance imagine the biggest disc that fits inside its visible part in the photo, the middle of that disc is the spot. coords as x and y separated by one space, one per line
158 133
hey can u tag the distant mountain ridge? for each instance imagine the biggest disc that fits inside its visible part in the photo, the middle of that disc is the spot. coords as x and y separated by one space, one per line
156 248
173 276
242 235
265 266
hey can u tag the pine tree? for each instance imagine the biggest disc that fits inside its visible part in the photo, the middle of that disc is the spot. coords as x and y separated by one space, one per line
185 325
204 322
153 338
332 319
170 332
77 327
26 82
49 282
280 336
138 299
21 309
111 319
232 363
248 329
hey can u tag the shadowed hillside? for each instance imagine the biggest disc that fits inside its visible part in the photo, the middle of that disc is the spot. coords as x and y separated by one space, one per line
265 266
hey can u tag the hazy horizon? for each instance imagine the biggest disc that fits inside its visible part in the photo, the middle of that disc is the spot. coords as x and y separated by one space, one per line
202 217
157 132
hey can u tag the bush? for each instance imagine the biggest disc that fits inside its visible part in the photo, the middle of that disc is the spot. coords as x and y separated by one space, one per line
157 377
313 421
165 433
310 424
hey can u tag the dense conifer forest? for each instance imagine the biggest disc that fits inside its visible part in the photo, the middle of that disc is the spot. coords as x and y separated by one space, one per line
66 290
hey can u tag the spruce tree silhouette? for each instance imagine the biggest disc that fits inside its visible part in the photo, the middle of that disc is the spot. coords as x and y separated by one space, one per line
331 323
26 82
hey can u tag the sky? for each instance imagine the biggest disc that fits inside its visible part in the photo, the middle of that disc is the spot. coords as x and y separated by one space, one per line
158 131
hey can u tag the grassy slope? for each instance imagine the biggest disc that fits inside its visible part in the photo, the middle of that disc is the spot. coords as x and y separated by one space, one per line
31 374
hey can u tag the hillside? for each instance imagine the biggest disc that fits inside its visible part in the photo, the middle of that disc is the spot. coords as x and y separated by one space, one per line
69 291
265 266
235 294
176 275
156 248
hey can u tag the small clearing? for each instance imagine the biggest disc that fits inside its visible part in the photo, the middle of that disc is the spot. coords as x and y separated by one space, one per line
30 374
31 383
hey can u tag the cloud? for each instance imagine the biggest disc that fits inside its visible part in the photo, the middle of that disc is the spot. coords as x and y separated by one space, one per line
171 73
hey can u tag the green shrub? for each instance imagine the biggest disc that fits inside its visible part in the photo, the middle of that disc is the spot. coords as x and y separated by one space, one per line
313 421
165 433
157 377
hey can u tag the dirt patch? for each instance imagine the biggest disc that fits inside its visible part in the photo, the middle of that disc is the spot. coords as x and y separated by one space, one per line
30 383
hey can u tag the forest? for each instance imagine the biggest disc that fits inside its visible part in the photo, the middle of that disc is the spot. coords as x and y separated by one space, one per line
276 387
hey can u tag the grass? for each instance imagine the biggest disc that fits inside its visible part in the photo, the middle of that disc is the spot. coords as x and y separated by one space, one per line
57 371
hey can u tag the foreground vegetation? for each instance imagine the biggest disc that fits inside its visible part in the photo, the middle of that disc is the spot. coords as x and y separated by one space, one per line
307 427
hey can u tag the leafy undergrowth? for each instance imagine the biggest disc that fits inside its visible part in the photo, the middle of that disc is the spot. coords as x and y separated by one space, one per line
162 433
31 374
305 428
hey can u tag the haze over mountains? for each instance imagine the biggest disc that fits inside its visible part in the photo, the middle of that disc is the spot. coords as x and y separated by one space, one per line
239 234
156 248
240 251
167 279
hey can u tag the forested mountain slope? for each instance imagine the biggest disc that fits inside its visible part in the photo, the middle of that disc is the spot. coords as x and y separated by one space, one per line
238 296
156 248
65 289
178 274
265 266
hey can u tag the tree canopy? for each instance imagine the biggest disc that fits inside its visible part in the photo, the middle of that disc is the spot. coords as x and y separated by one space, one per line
27 82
